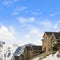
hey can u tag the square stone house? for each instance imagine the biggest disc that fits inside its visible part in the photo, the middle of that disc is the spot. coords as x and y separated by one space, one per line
27 52
50 38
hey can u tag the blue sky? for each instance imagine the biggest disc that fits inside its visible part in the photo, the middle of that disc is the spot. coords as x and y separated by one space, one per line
25 21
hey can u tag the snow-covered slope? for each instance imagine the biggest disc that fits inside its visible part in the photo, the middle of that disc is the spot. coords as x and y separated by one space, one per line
7 50
52 57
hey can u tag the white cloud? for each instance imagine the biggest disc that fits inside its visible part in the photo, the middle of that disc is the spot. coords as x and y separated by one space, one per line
19 9
36 32
56 26
26 20
46 24
38 42
27 36
53 14
6 34
37 12
8 2
58 21
34 36
12 29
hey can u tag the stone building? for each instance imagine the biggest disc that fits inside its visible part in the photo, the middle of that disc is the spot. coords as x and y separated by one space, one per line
36 50
49 39
27 52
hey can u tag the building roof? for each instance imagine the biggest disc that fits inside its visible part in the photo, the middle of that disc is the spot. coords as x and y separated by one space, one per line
50 33
57 35
19 51
37 47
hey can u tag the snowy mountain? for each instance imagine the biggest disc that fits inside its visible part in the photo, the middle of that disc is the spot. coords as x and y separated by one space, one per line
6 50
